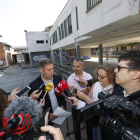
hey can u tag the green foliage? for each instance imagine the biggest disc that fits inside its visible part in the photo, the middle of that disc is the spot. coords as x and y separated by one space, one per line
128 44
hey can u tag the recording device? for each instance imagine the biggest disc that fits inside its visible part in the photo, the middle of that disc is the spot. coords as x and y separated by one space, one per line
22 91
114 114
42 86
64 86
21 117
48 88
79 81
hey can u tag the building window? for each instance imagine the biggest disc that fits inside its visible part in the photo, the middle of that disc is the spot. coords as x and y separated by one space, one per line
39 41
65 28
69 24
77 18
46 41
62 31
54 37
92 3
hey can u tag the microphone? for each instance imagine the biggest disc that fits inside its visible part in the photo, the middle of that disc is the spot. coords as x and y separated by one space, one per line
63 84
18 115
48 88
59 91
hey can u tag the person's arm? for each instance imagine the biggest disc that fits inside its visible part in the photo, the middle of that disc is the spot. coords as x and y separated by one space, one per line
90 95
86 91
76 102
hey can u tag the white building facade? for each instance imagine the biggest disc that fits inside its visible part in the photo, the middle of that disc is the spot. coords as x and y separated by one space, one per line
38 46
85 24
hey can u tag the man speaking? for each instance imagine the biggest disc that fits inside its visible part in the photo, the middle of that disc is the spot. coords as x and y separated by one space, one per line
51 99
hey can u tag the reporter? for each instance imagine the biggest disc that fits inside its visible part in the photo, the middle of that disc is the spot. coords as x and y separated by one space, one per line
56 133
106 77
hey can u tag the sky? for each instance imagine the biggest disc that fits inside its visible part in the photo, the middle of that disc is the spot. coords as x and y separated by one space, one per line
31 15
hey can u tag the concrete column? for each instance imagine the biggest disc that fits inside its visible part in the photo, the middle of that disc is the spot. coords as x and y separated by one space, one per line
100 47
30 58
107 53
137 47
61 61
21 60
5 54
77 47
52 55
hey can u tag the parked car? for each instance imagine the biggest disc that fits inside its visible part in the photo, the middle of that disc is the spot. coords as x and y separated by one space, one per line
1 63
121 52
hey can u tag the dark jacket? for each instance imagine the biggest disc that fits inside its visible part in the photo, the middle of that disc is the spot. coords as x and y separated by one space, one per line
36 84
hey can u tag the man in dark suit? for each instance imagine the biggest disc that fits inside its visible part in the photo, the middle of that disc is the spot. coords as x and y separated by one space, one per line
47 76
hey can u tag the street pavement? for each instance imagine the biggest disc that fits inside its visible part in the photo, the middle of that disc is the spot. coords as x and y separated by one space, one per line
13 77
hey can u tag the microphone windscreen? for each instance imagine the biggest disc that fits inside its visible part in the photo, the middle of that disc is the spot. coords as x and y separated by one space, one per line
24 105
48 87
58 90
63 84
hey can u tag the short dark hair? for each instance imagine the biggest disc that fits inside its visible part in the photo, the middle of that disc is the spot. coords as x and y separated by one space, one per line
79 59
133 56
44 61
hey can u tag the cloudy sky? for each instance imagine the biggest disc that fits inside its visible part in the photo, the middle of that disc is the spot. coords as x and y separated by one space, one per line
31 15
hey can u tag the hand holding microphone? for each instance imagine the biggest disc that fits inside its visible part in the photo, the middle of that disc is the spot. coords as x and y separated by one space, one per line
48 88
59 91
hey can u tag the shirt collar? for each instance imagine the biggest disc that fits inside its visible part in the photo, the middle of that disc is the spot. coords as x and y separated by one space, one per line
46 81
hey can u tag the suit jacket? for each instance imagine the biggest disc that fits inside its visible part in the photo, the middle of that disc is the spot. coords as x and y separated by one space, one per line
36 84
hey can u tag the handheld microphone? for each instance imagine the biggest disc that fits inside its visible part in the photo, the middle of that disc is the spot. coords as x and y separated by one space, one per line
59 91
48 88
64 86
19 113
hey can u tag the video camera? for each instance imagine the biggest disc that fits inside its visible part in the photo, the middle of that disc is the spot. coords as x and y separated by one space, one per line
114 114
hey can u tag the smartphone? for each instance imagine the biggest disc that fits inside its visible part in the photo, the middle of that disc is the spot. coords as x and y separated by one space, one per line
42 86
79 81
22 91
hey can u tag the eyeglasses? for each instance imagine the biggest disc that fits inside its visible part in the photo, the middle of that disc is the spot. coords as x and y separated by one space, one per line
101 77
119 67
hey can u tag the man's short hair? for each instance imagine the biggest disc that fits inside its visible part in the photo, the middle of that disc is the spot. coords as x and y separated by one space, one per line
79 60
44 61
134 57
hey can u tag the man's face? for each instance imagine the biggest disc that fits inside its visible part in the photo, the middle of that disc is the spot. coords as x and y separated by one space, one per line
47 72
77 67
123 76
